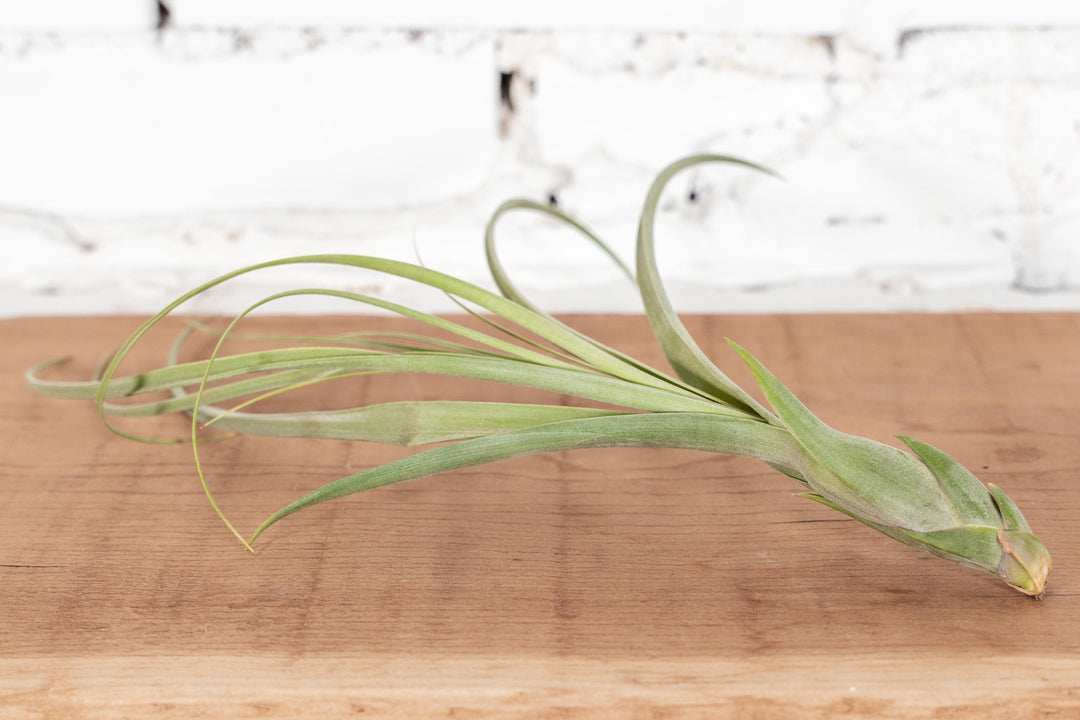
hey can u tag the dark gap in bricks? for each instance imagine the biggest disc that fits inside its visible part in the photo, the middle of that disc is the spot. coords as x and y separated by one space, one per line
163 16
507 109
905 37
241 41
828 42
314 37
506 95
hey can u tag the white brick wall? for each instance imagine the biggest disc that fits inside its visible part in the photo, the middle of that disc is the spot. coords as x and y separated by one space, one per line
77 16
121 127
931 150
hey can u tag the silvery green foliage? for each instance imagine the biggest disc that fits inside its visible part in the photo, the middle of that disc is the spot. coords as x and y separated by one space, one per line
926 500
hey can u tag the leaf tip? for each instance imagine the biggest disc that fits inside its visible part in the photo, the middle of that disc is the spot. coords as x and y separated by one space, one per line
743 352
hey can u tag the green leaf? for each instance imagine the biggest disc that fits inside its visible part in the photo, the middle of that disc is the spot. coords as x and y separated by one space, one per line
175 376
1011 516
405 423
688 360
506 287
505 370
589 353
902 490
509 290
713 433
973 545
1025 562
967 496
183 402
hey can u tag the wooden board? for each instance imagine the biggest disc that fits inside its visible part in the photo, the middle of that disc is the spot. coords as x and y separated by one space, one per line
604 583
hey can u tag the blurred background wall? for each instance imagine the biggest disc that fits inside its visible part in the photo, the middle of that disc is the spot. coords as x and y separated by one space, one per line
930 150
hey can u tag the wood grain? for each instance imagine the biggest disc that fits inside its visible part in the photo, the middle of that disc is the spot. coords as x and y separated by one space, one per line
604 583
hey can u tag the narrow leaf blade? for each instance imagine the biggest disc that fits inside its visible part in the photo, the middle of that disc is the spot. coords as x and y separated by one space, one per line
1011 516
967 496
406 423
713 433
689 361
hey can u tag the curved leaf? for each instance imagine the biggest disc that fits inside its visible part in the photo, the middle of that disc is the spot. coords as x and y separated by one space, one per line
688 360
405 423
693 431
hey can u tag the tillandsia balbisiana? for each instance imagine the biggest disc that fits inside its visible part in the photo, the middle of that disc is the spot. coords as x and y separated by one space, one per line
926 500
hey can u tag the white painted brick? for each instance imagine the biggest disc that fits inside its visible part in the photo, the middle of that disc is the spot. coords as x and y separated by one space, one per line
736 16
871 27
977 14
128 127
723 15
928 167
1024 55
882 174
76 16
714 98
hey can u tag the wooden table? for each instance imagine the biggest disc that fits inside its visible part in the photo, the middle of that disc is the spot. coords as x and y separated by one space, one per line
603 583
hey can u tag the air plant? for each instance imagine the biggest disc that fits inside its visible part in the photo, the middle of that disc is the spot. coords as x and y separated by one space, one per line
926 500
